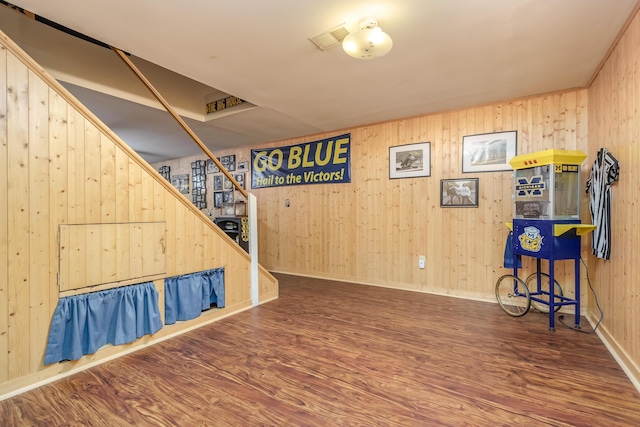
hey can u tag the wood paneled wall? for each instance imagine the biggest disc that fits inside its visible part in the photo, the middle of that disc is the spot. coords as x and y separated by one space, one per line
60 165
374 229
614 123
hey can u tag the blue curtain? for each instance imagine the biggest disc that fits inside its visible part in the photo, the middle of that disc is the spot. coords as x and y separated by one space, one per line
186 296
81 324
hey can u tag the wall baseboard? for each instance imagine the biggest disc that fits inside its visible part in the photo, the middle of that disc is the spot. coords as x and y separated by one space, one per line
472 296
630 369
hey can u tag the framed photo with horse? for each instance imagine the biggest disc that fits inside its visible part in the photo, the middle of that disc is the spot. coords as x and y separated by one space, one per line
410 161
459 193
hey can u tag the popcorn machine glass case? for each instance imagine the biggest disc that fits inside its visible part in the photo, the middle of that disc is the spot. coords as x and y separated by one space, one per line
547 192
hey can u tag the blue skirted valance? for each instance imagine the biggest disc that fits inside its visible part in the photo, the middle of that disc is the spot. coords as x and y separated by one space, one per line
81 324
186 296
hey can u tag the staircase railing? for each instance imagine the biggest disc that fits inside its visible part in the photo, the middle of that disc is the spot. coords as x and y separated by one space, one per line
181 122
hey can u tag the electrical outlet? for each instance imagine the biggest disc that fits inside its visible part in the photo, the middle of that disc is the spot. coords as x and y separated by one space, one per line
421 261
287 203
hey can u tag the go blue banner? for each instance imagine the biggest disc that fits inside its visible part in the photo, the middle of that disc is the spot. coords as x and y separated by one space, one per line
319 162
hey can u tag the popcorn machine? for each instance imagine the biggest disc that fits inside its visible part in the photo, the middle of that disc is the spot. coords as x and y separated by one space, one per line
546 225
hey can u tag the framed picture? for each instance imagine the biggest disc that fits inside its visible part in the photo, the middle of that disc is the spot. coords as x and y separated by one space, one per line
217 199
217 183
243 166
212 167
165 171
228 185
228 209
240 178
459 193
181 182
410 161
240 209
488 152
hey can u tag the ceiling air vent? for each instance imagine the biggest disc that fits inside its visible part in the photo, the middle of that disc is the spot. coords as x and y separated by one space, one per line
331 38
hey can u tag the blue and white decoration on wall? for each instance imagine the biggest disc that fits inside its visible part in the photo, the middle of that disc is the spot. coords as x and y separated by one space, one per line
320 162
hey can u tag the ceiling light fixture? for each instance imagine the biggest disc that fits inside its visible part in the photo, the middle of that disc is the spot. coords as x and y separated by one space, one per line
368 42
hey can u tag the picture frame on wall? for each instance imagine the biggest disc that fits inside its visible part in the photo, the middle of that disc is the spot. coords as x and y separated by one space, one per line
243 166
239 177
165 171
212 167
240 209
181 182
228 209
227 184
488 152
459 193
410 161
217 199
217 183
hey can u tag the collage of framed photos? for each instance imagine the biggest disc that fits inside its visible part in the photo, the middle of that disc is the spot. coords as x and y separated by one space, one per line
224 197
488 152
199 184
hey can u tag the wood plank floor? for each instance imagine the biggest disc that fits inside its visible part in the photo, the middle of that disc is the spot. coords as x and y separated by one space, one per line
335 354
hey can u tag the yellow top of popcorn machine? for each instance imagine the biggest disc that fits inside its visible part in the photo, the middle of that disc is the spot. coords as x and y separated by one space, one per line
547 185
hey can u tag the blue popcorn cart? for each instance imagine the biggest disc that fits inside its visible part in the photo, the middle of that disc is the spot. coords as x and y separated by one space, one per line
546 226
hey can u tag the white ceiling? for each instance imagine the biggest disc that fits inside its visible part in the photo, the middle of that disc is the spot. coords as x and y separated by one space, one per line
447 54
